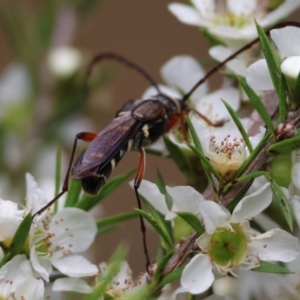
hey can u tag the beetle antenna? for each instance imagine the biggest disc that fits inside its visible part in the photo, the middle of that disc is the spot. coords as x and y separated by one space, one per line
221 64
130 64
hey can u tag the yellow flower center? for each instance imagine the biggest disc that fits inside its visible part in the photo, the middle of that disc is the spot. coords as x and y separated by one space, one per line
227 156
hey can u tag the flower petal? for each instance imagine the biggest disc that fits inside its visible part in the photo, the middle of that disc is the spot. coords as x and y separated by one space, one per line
30 289
185 198
212 106
35 198
258 76
242 7
213 215
151 192
236 65
75 266
69 233
10 219
281 12
275 245
151 92
41 266
71 284
287 40
184 71
253 204
197 275
185 14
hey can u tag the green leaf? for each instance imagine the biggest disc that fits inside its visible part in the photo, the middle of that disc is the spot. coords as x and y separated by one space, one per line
231 206
252 155
175 275
160 219
167 240
249 176
257 104
285 146
73 194
207 167
112 270
20 236
205 162
283 203
239 125
45 22
162 264
160 183
87 202
5 259
267 267
275 72
116 219
178 156
192 220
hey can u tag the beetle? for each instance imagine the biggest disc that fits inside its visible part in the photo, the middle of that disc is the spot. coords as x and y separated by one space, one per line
137 124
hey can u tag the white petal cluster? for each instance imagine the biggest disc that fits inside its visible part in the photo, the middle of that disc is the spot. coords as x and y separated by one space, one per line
273 245
287 40
54 241
231 21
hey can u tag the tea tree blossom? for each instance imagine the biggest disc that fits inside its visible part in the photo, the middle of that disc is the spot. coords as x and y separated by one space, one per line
224 146
56 239
18 282
232 21
183 198
229 242
287 40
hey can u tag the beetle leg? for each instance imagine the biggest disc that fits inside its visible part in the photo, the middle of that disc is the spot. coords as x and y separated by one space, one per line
137 181
84 136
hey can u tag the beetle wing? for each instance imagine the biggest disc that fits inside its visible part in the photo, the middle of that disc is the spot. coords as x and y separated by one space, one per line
106 145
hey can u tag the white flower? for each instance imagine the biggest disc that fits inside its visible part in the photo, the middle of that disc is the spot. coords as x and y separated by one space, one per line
182 198
224 146
17 281
10 219
237 65
229 242
257 285
122 285
287 40
64 61
56 239
68 284
181 73
232 21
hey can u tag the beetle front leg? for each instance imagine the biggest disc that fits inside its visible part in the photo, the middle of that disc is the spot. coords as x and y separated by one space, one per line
84 136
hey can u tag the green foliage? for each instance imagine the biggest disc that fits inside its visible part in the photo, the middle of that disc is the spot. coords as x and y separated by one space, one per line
267 267
275 72
283 203
20 236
